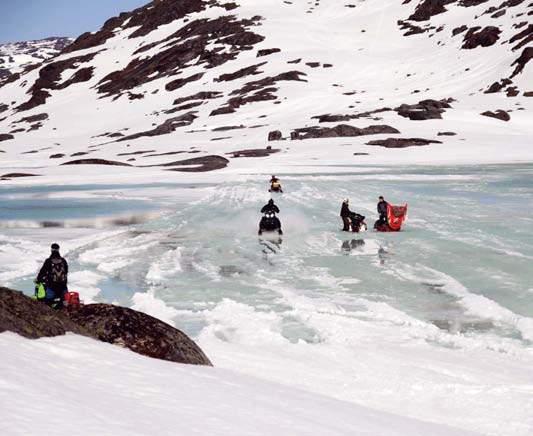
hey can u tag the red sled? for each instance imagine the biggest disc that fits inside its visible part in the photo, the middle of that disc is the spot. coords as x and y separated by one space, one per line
72 299
396 215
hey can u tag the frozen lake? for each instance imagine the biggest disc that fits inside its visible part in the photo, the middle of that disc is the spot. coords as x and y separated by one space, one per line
456 284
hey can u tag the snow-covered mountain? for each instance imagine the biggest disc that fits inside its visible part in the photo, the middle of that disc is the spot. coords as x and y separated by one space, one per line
16 56
218 79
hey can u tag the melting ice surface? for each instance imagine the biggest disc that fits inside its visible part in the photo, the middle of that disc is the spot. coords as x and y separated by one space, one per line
452 291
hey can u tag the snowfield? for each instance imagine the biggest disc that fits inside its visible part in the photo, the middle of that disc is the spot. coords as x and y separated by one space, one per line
426 332
77 386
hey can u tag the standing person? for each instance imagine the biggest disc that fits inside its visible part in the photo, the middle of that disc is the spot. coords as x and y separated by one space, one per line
54 274
345 215
382 210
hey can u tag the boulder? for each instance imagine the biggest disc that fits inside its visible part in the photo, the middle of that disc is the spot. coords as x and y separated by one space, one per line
499 114
275 135
138 332
424 110
402 142
117 325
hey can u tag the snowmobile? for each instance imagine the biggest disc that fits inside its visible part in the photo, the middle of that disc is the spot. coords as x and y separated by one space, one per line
270 224
275 185
396 215
357 223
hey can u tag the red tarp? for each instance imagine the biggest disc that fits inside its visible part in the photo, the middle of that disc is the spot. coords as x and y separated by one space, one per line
396 215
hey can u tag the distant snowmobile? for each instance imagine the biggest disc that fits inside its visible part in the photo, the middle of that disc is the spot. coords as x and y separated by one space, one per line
270 223
396 215
275 185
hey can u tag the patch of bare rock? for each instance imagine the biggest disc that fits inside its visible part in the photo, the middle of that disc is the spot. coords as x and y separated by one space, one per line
196 164
402 142
254 152
498 114
116 325
96 162
341 130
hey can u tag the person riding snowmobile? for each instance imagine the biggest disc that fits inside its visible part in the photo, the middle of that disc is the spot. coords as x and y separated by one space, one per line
345 215
270 223
382 211
275 185
270 207
53 275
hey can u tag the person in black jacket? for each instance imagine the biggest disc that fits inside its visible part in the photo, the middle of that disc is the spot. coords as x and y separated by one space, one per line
53 275
345 215
382 210
270 207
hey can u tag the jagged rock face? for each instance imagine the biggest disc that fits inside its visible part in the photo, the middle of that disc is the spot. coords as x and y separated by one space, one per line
117 325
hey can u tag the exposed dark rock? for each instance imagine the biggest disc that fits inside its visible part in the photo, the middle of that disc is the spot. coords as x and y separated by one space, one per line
402 142
525 57
259 90
222 110
484 37
411 28
135 153
167 127
3 107
124 327
49 77
57 156
17 175
178 83
79 153
197 164
204 95
168 153
526 36
341 130
424 110
275 135
512 91
190 43
96 162
225 128
139 332
256 152
267 51
498 86
5 137
459 30
33 118
446 134
243 72
499 114
425 10
528 94
31 319
329 118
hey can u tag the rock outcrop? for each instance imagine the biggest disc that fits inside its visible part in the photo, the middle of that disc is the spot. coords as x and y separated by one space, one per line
341 131
117 325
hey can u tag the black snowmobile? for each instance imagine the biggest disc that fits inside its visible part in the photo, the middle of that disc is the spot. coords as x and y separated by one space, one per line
270 223
357 223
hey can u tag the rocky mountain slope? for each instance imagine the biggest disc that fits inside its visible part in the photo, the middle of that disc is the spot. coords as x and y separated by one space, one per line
16 56
218 79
